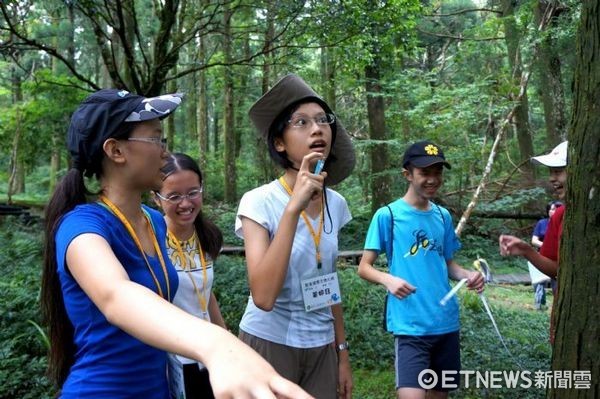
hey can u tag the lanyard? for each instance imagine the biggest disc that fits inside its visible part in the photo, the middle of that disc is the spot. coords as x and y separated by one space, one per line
117 212
315 236
187 267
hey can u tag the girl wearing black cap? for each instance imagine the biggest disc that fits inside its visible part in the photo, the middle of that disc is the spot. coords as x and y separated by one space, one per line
107 281
290 229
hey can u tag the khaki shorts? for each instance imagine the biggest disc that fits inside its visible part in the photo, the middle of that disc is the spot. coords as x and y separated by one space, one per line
314 369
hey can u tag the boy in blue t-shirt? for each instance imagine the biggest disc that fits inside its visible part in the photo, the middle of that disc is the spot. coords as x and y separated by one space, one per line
420 250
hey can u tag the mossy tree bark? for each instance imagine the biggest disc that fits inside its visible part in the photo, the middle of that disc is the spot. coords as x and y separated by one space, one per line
577 316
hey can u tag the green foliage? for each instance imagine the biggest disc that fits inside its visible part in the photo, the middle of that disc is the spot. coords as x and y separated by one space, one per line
40 122
231 289
22 354
516 200
435 86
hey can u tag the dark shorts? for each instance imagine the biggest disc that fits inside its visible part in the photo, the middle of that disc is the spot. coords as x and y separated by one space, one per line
417 353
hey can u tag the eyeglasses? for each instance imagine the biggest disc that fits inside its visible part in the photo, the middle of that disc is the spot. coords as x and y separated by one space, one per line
178 198
303 121
153 140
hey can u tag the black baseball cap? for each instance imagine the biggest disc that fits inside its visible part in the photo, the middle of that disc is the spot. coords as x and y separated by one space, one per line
423 154
101 114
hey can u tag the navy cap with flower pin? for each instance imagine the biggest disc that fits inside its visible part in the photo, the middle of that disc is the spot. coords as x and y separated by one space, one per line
423 154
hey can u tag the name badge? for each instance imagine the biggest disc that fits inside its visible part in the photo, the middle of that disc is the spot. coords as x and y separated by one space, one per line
321 291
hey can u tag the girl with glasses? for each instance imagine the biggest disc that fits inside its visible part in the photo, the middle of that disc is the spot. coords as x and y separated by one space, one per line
193 244
108 284
290 228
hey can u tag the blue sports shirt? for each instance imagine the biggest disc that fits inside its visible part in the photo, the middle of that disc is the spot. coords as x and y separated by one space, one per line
109 363
423 242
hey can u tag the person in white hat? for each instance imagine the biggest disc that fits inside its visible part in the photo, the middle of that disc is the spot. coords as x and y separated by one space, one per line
546 260
290 229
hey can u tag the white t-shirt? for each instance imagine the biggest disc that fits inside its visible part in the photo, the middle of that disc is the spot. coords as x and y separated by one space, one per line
288 323
186 297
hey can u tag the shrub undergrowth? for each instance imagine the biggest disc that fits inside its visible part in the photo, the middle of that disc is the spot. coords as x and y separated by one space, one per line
22 352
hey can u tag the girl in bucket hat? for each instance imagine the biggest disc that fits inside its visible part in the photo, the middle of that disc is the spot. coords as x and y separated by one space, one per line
107 283
290 229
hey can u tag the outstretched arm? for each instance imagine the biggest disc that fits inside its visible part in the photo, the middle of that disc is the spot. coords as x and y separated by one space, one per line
235 369
514 246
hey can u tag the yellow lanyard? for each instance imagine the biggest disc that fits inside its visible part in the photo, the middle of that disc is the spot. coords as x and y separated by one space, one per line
187 267
117 212
315 236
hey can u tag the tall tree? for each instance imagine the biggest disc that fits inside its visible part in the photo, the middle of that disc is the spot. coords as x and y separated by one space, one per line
230 174
550 75
16 180
328 75
380 184
521 116
202 111
169 124
577 341
139 41
262 157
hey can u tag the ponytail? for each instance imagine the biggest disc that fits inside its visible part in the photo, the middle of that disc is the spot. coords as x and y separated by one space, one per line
211 238
69 193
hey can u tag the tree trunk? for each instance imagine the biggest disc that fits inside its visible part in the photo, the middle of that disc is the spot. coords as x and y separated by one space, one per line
54 162
170 121
262 151
551 85
380 182
16 179
202 111
71 33
577 341
191 108
328 76
55 139
242 93
230 178
215 131
521 115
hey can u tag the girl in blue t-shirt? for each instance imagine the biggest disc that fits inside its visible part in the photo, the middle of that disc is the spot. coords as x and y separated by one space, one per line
107 283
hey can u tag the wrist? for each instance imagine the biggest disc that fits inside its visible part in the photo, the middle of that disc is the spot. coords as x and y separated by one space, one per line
342 347
293 209
386 280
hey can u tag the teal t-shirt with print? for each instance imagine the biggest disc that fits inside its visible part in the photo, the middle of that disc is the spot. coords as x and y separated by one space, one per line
423 241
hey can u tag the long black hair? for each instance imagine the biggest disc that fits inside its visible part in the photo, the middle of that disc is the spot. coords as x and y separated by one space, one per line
69 192
211 238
